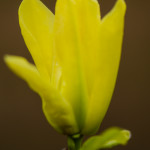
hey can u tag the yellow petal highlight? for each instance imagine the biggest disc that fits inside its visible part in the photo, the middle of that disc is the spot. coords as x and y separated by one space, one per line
107 63
57 111
36 22
75 27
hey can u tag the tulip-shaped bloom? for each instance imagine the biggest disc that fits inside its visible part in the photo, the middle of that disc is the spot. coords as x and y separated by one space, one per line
76 55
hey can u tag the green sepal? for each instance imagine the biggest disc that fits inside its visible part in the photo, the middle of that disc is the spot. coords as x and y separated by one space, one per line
111 137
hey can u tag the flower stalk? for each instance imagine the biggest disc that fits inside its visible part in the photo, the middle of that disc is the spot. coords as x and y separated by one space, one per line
74 143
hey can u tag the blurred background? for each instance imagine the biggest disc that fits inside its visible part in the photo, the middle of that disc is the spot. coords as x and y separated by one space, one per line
22 123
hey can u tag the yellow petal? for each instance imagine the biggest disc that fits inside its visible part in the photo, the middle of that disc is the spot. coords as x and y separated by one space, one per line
26 71
76 25
107 63
36 22
57 111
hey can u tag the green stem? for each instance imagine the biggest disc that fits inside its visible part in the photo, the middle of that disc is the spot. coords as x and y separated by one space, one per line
74 143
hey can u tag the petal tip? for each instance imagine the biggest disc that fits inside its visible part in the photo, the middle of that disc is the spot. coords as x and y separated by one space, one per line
122 5
8 58
11 60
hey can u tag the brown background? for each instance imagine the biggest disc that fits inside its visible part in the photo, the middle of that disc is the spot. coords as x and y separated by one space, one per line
22 123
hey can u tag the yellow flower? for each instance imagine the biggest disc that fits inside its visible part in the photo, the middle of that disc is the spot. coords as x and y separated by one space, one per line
76 55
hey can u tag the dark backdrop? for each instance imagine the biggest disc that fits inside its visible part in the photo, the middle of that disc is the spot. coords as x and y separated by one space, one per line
22 123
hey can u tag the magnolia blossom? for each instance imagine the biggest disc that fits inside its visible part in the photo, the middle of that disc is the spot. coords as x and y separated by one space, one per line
76 55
